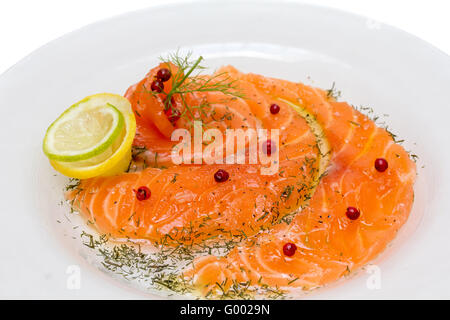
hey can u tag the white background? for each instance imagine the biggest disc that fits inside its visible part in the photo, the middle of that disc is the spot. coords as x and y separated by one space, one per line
26 25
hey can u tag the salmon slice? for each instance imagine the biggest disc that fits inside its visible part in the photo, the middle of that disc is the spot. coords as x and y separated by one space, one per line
187 205
329 244
326 160
215 109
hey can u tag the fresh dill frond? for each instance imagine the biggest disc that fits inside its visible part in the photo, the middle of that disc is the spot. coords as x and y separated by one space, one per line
188 78
333 92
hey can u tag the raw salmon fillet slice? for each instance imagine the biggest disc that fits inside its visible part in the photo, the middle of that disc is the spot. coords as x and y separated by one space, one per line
187 205
329 244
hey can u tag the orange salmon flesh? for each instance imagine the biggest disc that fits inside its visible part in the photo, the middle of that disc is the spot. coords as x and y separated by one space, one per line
300 203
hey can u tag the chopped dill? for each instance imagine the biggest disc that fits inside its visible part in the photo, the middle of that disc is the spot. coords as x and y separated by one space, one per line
161 268
72 184
370 113
188 78
174 179
287 192
138 150
333 92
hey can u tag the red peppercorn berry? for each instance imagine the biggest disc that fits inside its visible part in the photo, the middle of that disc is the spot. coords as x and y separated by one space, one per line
163 74
381 164
143 193
269 147
289 249
221 176
352 213
172 114
157 86
274 108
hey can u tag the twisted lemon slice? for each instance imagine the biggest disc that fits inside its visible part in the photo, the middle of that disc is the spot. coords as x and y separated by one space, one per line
92 138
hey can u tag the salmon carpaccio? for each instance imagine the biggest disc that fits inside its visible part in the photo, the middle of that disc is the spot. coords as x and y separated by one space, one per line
329 244
188 206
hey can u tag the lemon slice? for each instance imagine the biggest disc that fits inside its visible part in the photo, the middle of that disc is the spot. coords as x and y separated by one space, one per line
109 151
83 131
321 138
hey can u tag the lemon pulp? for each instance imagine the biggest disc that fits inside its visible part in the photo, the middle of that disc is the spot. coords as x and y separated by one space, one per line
115 155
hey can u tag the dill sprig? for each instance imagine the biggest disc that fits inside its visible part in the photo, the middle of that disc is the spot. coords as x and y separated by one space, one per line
244 290
188 79
160 267
333 92
379 121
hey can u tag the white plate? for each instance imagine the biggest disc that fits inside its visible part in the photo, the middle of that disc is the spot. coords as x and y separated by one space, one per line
373 64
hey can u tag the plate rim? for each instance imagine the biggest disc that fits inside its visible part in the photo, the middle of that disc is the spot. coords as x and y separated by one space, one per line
171 3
